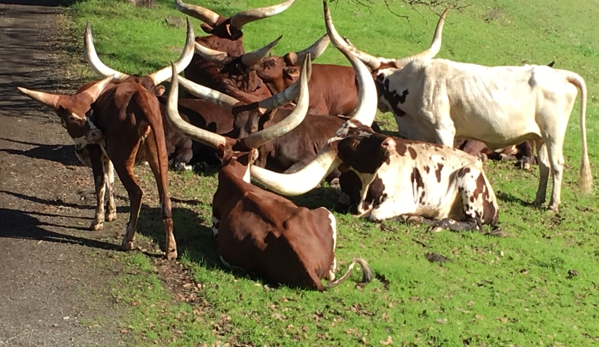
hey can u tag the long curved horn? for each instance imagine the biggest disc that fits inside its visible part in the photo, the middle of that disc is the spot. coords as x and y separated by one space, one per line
52 100
174 118
96 90
365 110
253 57
432 50
47 99
242 18
212 55
223 100
315 51
302 181
367 275
292 120
289 94
205 15
371 61
183 61
94 61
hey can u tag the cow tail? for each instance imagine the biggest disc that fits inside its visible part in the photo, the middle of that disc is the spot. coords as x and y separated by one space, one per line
586 178
366 273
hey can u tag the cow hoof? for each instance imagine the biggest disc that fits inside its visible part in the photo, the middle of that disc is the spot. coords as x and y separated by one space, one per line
553 208
95 226
127 245
181 166
527 166
435 229
111 216
171 255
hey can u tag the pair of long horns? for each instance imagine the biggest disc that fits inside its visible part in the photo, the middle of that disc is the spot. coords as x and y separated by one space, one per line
326 161
252 58
375 62
54 100
254 140
158 77
248 59
237 21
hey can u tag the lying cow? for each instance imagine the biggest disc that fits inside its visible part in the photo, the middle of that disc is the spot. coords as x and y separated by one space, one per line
436 100
523 152
259 231
387 177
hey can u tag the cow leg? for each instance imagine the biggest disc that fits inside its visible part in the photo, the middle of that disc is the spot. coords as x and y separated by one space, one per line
445 134
556 160
160 171
108 183
527 158
100 188
543 160
454 225
123 159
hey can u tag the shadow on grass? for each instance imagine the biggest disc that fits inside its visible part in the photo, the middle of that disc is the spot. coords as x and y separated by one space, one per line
507 197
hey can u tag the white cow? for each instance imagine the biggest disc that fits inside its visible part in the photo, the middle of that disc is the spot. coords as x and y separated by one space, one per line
437 100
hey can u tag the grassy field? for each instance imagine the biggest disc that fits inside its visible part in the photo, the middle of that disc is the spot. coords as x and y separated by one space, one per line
540 286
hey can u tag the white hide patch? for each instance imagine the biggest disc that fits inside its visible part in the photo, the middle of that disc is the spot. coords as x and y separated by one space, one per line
334 265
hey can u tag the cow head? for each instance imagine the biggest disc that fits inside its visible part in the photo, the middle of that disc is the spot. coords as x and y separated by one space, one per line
72 110
225 33
383 67
235 75
279 73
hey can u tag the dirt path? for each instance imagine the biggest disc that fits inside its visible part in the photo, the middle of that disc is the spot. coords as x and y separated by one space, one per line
52 293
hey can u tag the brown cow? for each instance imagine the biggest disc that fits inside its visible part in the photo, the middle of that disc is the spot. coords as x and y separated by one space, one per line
259 231
128 115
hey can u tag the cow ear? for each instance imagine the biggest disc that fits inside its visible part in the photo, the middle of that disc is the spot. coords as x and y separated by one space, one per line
220 152
159 90
291 73
207 28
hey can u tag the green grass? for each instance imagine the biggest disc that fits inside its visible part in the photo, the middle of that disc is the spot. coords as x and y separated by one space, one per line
493 292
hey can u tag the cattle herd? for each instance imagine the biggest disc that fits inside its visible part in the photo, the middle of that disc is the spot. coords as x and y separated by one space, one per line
290 124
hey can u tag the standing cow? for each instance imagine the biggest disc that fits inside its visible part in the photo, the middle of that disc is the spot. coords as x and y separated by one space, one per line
437 100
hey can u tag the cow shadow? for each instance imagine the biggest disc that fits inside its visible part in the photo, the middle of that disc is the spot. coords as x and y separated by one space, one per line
57 153
18 224
508 197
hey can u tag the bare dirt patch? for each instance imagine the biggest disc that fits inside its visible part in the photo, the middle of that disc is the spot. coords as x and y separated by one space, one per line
53 292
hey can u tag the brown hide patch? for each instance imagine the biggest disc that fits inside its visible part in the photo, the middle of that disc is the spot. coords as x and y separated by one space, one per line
438 171
382 86
416 178
463 172
482 191
412 152
427 169
376 194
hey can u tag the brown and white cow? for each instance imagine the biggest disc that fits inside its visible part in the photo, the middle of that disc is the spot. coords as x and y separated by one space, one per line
259 231
128 115
437 100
